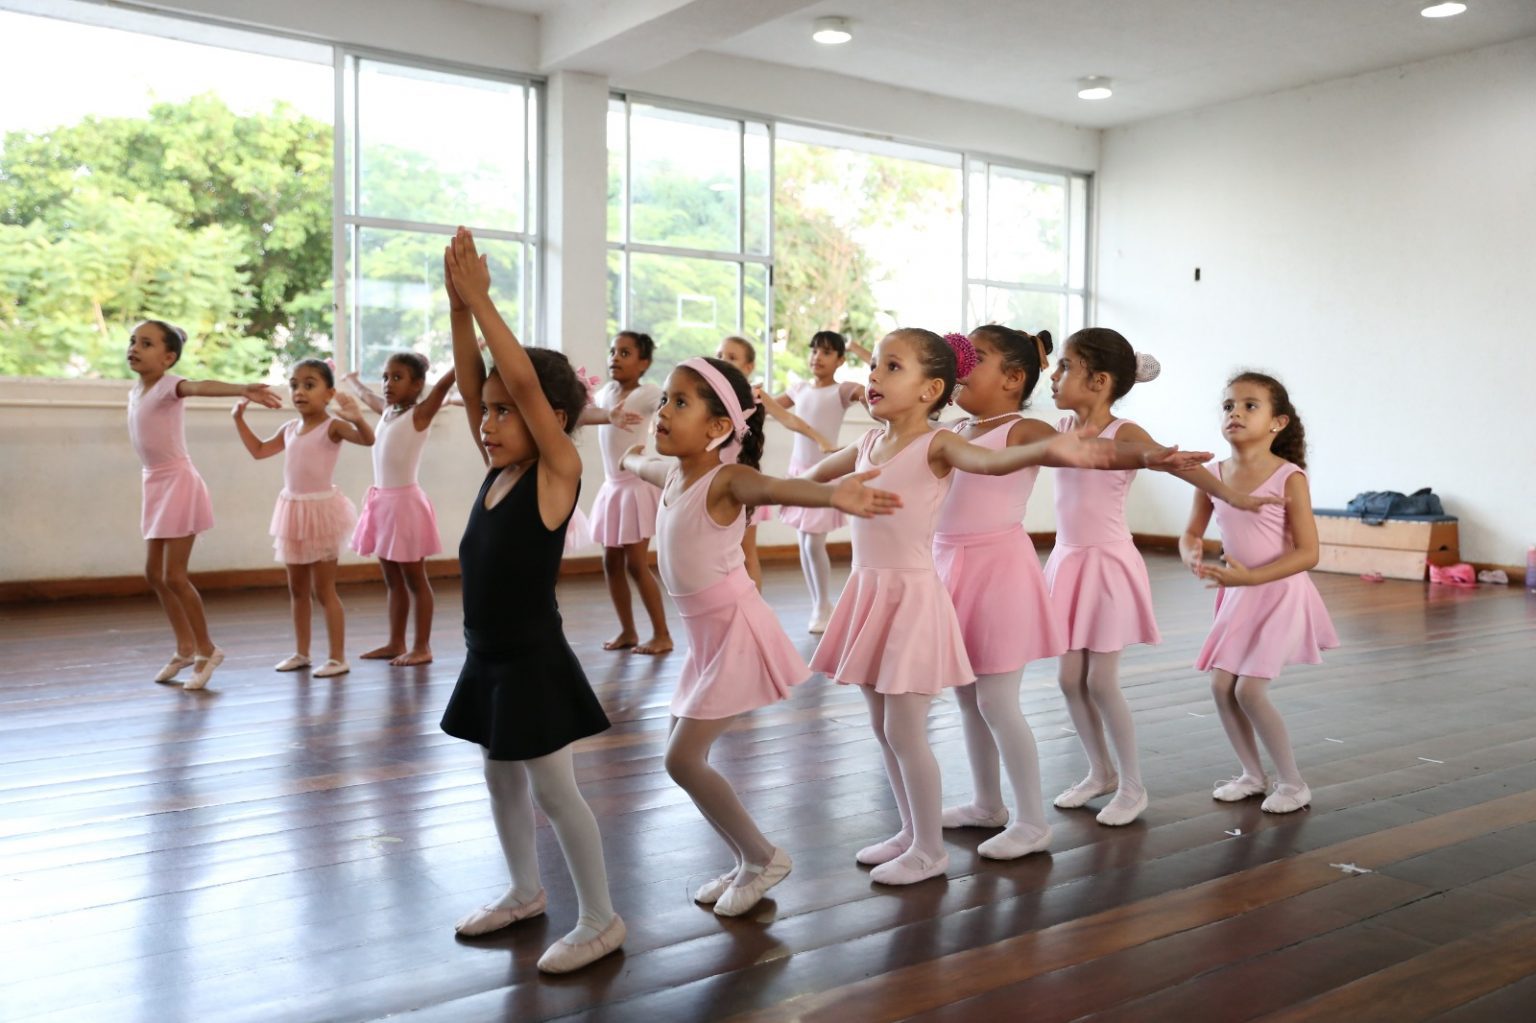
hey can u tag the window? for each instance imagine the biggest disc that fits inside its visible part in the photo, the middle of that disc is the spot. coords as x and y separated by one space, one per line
196 189
688 228
1026 248
425 151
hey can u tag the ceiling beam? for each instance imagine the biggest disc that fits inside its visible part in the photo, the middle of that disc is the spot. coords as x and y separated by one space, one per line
616 37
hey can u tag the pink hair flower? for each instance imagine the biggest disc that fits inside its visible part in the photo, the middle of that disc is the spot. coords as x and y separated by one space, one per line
965 354
590 383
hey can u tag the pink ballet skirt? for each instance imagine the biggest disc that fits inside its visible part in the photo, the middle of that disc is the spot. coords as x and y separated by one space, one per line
810 520
894 627
311 527
176 502
397 524
578 531
1001 599
1260 629
739 658
1103 594
624 512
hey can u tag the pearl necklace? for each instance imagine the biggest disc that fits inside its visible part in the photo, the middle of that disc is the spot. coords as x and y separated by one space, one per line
967 424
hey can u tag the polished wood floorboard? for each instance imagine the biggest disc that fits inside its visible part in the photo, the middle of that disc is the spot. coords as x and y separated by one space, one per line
288 848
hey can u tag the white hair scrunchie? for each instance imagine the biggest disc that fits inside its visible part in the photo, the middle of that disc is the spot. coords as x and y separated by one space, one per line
1147 367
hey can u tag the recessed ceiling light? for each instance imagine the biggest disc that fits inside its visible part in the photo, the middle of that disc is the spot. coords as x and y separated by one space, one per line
832 31
1446 10
1094 87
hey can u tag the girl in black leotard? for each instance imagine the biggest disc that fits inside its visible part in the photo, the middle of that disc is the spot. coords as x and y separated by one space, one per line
521 694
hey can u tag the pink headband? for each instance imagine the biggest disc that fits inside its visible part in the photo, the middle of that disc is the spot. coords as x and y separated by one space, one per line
727 395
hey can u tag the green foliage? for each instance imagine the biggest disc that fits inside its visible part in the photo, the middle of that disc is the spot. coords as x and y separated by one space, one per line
217 221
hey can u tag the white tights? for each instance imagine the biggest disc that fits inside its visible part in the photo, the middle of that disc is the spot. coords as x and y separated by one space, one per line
994 724
1245 709
901 724
688 764
818 572
553 784
1091 683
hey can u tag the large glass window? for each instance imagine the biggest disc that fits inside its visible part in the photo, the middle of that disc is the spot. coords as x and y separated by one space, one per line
154 167
427 150
688 228
1026 248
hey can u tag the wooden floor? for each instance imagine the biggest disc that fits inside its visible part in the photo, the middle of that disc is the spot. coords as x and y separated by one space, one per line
283 848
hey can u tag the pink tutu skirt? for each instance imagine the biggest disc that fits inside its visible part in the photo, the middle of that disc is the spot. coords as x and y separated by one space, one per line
738 656
1103 595
1260 629
397 524
176 502
810 520
578 531
624 512
894 629
1001 599
311 527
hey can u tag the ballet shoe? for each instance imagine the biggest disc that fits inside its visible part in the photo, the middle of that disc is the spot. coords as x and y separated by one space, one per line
1079 794
909 868
1116 816
1288 799
1235 790
739 898
204 672
967 817
818 624
173 668
881 852
710 891
493 918
292 663
332 668
1009 846
563 957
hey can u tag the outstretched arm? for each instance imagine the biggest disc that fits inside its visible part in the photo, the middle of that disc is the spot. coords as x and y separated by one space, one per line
651 468
257 447
363 391
261 394
351 426
753 489
951 451
794 423
1302 556
1135 443
838 464
427 408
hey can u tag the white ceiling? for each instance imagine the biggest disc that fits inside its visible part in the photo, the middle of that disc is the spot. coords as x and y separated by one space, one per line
1163 55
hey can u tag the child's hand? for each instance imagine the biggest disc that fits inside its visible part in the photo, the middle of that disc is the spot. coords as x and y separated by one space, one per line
238 412
261 394
469 272
455 302
625 419
1252 503
1194 559
1232 574
1174 460
852 496
1077 448
347 407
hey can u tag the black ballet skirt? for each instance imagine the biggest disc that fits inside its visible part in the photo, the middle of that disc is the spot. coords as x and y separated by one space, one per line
521 693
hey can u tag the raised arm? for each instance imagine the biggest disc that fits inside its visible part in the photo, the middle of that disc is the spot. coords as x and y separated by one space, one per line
794 423
468 364
261 394
351 426
863 353
1302 556
363 391
427 408
558 457
258 448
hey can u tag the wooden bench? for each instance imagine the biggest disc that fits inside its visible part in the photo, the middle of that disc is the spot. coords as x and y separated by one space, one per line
1399 548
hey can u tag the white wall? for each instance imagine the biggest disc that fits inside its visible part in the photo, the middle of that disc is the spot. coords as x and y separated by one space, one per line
1372 241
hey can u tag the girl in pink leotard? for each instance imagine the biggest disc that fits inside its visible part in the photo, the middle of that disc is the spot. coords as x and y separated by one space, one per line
176 504
1268 613
739 658
313 518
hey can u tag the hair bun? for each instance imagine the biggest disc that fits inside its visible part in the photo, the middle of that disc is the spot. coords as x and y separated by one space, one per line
1044 337
1147 368
965 354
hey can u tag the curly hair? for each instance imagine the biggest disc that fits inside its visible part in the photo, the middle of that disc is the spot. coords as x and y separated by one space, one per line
1291 442
1020 350
752 445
